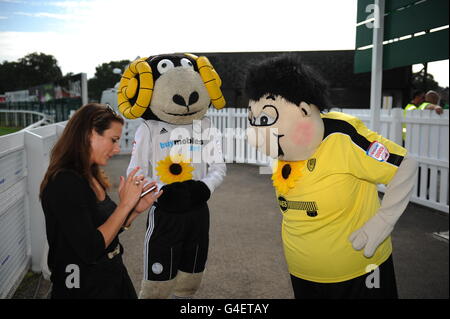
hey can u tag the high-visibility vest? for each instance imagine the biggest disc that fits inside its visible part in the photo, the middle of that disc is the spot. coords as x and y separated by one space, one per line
410 107
423 105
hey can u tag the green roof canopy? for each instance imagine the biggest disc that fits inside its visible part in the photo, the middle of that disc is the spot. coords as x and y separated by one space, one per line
403 18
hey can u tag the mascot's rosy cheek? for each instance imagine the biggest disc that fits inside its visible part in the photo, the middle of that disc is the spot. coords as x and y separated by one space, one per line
303 133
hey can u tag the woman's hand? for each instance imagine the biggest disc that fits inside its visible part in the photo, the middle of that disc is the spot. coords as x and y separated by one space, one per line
145 202
130 189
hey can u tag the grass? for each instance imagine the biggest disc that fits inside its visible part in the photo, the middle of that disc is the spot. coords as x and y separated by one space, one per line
8 130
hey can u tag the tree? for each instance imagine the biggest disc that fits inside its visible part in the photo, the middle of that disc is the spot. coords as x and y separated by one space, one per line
420 82
31 70
105 78
9 82
40 68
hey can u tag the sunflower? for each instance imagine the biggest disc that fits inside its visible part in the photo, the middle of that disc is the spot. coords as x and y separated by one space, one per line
286 175
174 169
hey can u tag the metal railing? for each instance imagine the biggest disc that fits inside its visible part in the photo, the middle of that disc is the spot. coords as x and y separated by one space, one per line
24 119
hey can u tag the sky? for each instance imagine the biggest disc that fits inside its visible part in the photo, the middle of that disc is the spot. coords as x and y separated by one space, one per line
84 34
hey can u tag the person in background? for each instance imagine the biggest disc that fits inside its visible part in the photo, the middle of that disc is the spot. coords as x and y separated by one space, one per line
422 101
431 102
417 99
82 222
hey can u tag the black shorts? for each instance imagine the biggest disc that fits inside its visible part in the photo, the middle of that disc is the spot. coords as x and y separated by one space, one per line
175 242
364 287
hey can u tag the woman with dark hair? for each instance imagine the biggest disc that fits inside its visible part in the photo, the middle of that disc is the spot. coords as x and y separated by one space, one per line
82 222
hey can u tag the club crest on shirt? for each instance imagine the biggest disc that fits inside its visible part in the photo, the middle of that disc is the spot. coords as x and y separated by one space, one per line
157 268
378 151
311 164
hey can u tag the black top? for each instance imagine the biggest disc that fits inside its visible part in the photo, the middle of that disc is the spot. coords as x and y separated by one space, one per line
73 214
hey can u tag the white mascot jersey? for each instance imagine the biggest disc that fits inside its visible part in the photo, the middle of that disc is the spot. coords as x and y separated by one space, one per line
200 142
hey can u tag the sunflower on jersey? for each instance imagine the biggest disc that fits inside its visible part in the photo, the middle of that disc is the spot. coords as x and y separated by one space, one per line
174 168
285 175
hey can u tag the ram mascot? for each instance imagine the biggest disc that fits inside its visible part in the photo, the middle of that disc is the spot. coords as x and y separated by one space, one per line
177 146
336 234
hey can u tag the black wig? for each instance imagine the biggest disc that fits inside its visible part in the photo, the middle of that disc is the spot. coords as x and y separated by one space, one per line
288 77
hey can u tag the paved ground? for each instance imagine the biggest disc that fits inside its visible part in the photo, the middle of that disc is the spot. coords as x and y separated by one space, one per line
246 258
245 255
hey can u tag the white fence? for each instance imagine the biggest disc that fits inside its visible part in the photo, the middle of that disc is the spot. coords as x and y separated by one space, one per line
24 159
231 122
427 140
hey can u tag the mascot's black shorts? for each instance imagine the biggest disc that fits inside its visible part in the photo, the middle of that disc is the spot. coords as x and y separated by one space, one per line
175 242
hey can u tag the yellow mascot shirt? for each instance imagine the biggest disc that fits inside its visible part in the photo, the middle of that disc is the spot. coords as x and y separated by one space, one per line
335 195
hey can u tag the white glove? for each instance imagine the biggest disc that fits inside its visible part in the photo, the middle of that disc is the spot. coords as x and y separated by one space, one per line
371 235
394 202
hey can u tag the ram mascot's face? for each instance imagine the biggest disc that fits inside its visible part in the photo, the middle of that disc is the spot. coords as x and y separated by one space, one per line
169 87
179 95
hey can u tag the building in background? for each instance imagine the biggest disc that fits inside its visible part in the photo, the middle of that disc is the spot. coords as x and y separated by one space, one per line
348 90
57 99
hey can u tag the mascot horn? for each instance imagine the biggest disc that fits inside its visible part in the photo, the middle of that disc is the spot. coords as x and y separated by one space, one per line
139 78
